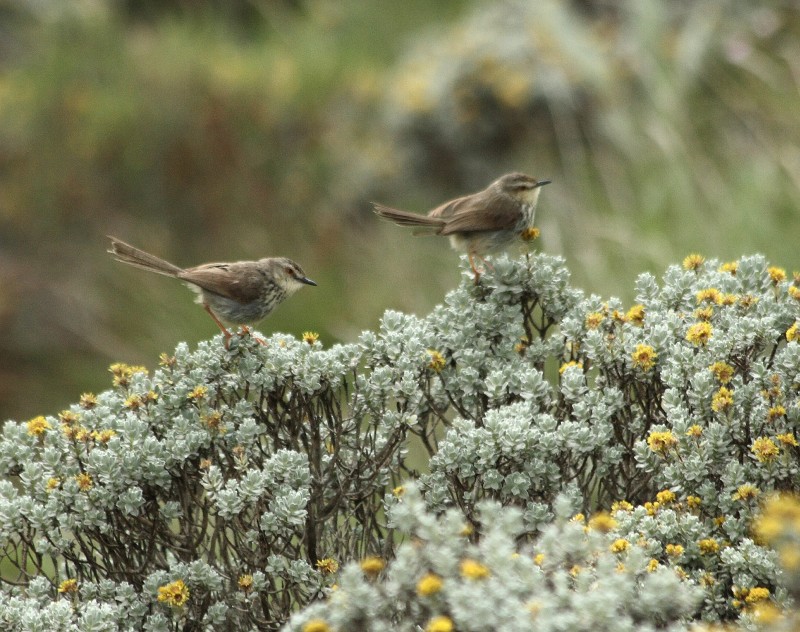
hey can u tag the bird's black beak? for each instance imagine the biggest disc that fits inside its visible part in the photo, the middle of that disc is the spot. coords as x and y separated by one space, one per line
306 280
541 183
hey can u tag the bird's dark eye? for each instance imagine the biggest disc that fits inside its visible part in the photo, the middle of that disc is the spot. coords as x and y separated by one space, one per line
289 271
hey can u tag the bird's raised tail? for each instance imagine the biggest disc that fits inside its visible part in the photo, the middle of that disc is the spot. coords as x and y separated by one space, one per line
139 258
425 224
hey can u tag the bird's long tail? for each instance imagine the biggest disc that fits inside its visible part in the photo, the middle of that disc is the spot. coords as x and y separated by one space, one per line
427 225
139 258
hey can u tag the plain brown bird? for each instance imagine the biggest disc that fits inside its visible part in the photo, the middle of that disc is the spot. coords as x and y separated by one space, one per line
479 223
239 293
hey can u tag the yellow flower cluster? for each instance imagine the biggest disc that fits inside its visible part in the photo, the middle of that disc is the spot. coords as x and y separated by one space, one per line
440 624
123 372
644 357
603 522
430 584
708 546
693 262
472 569
372 565
765 449
174 594
661 442
700 333
37 426
722 371
327 566
779 527
316 625
437 361
722 400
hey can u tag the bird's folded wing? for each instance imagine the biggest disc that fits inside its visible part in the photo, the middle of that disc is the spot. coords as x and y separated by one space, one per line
478 213
226 279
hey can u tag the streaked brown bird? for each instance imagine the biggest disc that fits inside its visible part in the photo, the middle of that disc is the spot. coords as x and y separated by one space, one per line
479 223
239 293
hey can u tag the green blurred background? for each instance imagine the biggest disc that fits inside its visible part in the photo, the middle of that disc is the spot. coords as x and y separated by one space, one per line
209 130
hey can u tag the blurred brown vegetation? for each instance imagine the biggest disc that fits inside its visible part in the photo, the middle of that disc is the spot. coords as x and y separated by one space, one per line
220 130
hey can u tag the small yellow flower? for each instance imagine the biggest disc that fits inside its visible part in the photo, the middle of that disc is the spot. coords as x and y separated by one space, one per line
693 262
437 361
245 582
575 570
619 545
776 275
661 442
694 431
644 357
594 319
603 522
746 492
439 624
776 412
792 334
722 371
84 481
569 365
635 315
699 333
213 421
197 393
621 505
68 586
103 436
429 585
757 594
466 530
472 569
579 518
794 292
704 314
708 546
652 508
531 233
133 402
37 426
167 361
674 550
709 295
52 483
767 615
666 496
372 565
652 565
765 449
88 401
787 439
327 566
123 372
538 559
748 300
174 594
729 299
722 399
310 337
68 418
398 491
693 502
316 625
730 267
